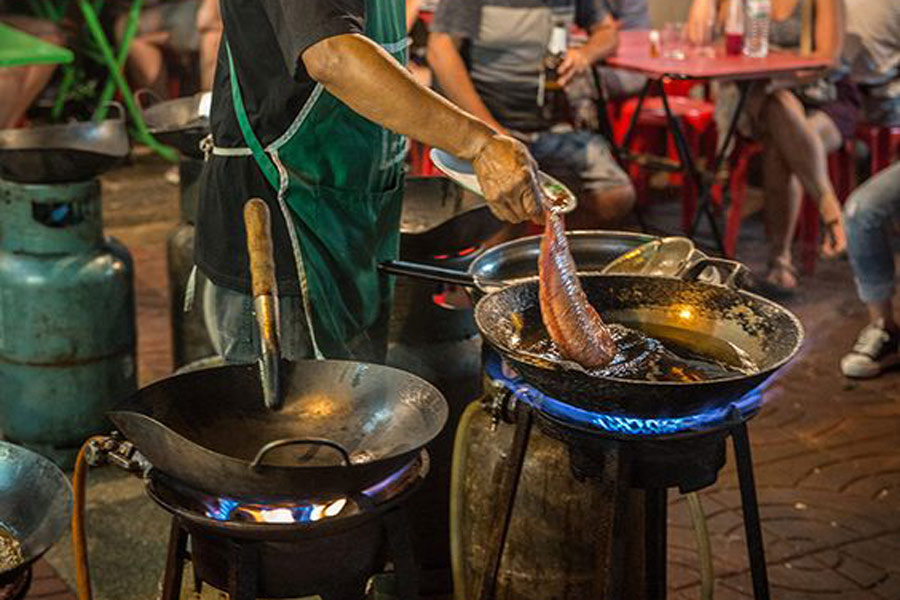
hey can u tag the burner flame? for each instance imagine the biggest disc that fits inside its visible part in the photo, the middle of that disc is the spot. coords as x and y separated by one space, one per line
229 509
500 372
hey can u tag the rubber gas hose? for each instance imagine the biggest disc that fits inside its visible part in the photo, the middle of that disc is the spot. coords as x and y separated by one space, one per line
704 550
79 541
457 488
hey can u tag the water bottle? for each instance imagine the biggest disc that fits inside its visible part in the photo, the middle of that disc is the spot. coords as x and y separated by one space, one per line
757 15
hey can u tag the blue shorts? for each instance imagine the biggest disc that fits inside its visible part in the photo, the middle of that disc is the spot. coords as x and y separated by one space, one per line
580 159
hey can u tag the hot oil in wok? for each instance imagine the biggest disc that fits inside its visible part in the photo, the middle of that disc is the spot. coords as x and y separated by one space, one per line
654 353
10 550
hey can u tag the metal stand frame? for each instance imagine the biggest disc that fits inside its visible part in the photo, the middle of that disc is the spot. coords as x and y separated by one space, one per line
244 562
655 519
703 182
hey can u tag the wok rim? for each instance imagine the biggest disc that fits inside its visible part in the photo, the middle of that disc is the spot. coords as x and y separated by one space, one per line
763 374
527 240
64 484
131 402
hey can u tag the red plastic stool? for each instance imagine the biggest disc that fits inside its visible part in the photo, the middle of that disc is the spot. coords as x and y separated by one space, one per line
883 143
652 130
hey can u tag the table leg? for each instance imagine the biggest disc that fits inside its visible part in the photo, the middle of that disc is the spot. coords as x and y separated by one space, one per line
691 170
606 131
632 124
705 197
143 135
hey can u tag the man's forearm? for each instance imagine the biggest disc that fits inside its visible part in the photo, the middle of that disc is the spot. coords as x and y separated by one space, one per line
368 80
450 70
602 43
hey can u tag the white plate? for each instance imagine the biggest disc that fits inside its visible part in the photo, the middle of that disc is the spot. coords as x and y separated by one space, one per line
462 172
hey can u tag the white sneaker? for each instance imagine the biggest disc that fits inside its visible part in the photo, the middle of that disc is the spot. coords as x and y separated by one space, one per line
875 350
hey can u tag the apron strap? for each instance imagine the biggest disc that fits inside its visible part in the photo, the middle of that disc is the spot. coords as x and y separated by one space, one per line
277 180
265 163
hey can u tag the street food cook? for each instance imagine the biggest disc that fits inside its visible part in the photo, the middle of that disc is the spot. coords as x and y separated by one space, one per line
311 106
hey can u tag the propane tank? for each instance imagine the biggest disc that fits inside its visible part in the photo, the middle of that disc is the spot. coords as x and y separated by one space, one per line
190 340
67 321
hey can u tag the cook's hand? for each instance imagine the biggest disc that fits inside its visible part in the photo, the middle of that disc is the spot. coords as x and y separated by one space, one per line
574 63
508 177
701 22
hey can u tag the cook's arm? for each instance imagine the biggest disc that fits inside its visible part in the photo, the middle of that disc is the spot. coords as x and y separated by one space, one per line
447 64
367 79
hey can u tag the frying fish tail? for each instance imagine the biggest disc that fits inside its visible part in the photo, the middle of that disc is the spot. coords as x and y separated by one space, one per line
572 323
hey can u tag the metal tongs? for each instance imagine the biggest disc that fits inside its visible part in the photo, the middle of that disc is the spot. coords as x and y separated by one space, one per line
265 299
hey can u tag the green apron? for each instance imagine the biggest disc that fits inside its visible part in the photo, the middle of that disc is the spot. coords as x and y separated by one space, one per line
339 179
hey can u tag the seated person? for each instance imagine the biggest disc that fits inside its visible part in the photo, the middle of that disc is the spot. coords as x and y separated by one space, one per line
872 51
799 121
628 15
20 86
500 81
170 25
870 215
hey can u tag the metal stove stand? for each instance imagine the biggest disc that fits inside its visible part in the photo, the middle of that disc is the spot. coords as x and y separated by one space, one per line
689 461
244 562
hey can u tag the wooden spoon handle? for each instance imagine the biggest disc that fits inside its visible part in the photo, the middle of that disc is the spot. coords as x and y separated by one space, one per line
259 246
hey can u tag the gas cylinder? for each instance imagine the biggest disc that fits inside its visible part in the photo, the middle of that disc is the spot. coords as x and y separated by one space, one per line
190 340
552 551
67 320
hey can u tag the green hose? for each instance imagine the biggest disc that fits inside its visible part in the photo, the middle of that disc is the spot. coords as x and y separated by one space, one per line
457 488
701 534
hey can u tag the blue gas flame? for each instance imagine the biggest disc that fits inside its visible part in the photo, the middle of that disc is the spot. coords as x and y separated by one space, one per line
617 424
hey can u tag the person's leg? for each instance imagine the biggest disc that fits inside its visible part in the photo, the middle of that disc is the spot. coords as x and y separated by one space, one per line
146 62
783 200
19 86
583 161
835 242
870 213
804 152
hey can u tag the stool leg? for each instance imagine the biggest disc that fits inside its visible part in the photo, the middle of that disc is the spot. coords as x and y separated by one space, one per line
655 542
749 505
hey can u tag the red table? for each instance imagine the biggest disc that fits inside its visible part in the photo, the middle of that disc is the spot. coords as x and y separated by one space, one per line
634 55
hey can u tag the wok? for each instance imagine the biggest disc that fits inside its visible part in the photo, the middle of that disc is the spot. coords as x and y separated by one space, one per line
65 153
35 502
344 426
516 260
181 123
685 310
307 429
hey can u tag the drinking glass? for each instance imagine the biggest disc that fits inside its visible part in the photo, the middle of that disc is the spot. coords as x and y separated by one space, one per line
673 40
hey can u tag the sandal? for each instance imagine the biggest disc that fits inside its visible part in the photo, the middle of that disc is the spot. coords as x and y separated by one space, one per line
834 246
775 290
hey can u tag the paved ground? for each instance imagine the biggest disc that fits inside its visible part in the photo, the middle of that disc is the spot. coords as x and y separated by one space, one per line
826 451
